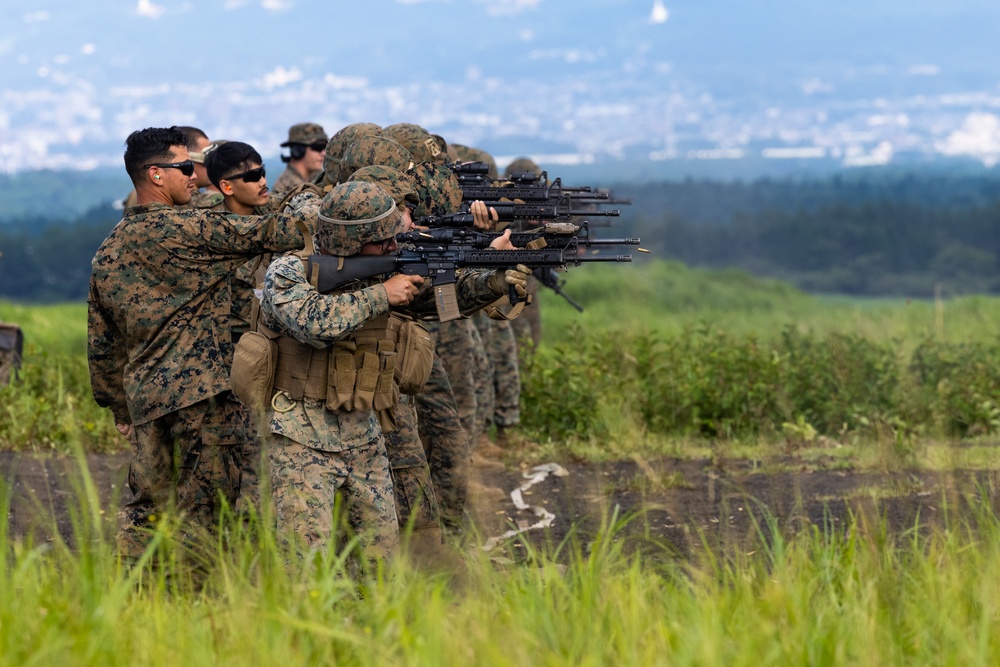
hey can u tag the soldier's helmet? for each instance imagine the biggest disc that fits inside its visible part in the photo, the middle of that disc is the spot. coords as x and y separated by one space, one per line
368 150
468 154
305 134
423 145
521 165
341 140
352 214
400 186
438 190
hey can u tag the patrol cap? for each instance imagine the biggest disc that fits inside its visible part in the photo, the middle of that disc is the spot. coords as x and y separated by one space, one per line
438 190
305 134
373 149
199 156
354 213
400 186
421 143
341 140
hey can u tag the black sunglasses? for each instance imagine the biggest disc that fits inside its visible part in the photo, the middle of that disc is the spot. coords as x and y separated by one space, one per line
319 146
186 167
251 176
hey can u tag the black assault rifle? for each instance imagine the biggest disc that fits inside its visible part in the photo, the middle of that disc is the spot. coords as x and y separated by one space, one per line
438 258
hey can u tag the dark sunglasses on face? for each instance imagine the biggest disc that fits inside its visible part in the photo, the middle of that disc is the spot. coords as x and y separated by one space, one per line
250 176
186 167
319 146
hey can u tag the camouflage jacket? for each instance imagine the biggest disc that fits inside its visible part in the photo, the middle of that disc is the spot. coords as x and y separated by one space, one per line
288 180
293 307
160 305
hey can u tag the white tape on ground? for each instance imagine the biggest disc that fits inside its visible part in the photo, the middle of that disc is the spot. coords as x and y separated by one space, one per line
532 477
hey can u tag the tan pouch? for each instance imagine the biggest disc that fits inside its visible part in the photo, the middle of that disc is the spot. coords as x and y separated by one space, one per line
415 357
252 375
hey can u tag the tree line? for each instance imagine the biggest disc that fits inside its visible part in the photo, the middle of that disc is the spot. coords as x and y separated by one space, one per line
869 234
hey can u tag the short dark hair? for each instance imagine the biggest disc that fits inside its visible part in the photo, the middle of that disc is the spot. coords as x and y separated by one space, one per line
230 158
152 144
193 134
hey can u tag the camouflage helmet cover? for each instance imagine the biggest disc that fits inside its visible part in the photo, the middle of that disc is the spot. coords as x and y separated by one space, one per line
368 150
305 134
438 190
522 164
341 140
400 186
355 213
421 143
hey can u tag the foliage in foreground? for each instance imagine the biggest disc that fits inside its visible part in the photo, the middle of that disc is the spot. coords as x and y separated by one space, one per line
710 384
853 595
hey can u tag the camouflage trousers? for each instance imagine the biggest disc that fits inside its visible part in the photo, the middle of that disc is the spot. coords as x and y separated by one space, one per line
485 392
446 445
186 463
416 503
506 374
457 345
309 485
528 327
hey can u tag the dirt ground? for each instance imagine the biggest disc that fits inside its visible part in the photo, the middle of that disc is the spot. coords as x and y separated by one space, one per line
667 506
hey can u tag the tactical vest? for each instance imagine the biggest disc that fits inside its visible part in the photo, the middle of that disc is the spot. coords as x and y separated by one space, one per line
387 356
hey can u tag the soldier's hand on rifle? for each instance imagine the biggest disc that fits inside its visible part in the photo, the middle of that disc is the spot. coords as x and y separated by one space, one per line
483 217
518 279
502 242
401 288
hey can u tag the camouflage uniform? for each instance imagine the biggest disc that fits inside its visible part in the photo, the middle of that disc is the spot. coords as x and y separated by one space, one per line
527 327
422 145
343 439
337 145
160 349
447 443
305 134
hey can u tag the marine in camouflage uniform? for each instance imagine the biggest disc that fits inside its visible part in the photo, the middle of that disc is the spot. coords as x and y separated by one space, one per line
306 144
159 346
335 148
237 171
318 452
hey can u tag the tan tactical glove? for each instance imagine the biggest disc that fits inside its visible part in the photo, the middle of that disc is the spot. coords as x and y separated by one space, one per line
517 277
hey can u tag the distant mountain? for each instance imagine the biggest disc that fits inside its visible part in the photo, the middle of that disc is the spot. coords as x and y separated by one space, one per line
642 86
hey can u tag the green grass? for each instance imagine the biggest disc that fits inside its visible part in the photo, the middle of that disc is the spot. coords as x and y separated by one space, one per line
855 595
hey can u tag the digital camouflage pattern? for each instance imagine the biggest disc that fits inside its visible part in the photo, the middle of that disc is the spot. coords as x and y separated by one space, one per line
289 179
416 502
305 483
338 144
446 444
368 150
355 213
305 134
438 190
422 145
398 185
485 390
291 306
454 346
160 305
502 353
183 465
